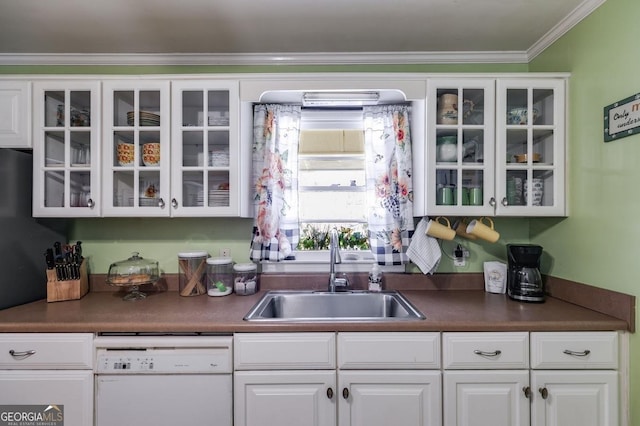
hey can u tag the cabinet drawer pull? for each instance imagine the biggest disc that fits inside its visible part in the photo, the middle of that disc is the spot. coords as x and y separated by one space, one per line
21 354
345 393
575 353
483 353
329 393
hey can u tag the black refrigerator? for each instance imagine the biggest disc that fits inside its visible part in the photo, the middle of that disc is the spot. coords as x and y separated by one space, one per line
23 239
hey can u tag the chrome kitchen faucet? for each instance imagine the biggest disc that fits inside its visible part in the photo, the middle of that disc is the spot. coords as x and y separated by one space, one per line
334 258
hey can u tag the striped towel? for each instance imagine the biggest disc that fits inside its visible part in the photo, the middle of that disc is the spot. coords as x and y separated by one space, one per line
424 250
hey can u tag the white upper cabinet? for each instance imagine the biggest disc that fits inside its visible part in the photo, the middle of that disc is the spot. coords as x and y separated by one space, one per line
496 147
136 148
177 146
15 108
205 162
66 149
530 154
460 146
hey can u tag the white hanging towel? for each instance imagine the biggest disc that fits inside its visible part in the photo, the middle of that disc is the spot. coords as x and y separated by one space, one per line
424 250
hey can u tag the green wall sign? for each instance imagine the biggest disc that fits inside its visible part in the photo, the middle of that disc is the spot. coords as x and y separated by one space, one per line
622 118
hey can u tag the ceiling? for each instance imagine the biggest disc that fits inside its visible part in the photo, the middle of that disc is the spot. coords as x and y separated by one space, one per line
282 27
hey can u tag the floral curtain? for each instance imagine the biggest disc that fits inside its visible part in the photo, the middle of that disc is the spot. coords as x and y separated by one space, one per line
389 186
276 134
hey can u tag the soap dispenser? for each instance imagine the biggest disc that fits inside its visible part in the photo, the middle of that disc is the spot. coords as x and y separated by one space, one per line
375 278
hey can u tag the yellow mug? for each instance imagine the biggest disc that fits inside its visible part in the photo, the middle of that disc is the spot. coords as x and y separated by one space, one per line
485 232
436 229
461 229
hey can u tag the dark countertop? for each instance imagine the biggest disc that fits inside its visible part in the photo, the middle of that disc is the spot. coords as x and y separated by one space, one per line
454 310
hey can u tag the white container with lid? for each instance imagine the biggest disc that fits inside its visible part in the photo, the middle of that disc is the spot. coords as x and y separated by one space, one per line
192 268
245 278
219 276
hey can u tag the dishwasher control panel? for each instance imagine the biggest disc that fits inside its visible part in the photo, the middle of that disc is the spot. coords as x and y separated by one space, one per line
164 356
173 361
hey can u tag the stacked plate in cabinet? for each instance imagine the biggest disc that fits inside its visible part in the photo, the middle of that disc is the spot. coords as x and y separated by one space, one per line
146 118
219 157
218 197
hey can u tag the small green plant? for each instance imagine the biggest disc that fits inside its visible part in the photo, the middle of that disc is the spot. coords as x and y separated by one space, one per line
350 237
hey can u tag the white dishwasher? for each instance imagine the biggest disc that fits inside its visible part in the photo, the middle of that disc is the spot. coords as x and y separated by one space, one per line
159 379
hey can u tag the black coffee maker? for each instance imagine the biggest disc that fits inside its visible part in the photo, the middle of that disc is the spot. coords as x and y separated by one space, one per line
524 281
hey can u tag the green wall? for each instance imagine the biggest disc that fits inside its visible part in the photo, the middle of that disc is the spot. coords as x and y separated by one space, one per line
110 239
598 243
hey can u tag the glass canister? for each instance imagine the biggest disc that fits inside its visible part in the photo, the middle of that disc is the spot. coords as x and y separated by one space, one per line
245 278
219 276
192 273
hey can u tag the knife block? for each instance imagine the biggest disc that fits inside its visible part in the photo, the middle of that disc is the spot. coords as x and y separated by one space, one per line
69 289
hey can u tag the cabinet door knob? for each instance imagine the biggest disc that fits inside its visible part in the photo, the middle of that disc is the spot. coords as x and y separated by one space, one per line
527 392
492 202
329 393
21 354
345 393
483 353
90 203
505 202
544 392
161 203
174 203
575 353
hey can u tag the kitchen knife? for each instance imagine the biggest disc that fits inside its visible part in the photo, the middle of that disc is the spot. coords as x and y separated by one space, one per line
57 247
48 256
68 266
57 251
77 249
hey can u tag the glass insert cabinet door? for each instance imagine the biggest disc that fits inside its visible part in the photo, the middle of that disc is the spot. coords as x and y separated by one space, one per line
204 148
460 151
531 147
136 148
66 125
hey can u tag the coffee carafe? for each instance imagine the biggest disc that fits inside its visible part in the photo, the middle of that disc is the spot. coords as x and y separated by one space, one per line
524 281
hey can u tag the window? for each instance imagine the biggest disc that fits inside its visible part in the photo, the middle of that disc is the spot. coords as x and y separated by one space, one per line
331 182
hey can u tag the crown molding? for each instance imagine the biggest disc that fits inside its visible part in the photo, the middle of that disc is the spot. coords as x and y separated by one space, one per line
583 10
213 59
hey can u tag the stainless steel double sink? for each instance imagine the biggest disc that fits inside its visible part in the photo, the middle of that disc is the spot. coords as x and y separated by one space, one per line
304 306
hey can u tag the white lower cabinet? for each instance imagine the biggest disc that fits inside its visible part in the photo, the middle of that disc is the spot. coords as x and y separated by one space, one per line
486 379
581 398
574 379
491 397
387 384
296 398
389 379
565 379
48 375
382 398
